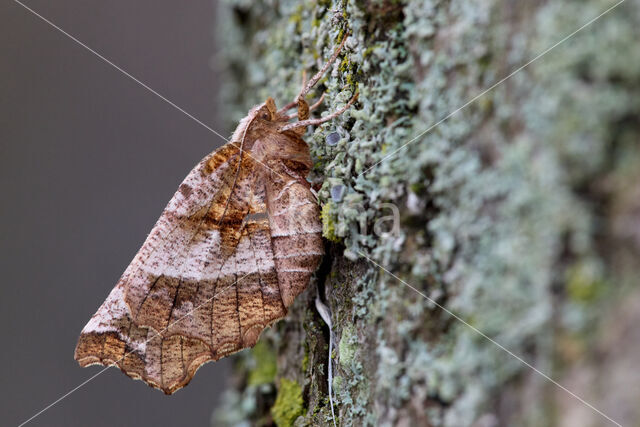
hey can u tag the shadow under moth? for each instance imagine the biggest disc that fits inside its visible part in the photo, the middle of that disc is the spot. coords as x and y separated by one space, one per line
236 244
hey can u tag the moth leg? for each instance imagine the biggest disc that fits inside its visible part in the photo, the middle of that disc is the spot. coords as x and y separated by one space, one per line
306 87
304 111
294 102
311 83
287 108
317 103
311 108
312 122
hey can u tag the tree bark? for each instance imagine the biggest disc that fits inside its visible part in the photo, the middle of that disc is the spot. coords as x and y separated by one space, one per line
518 211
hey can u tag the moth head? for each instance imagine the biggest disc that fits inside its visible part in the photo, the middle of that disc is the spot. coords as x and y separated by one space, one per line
261 134
267 111
261 118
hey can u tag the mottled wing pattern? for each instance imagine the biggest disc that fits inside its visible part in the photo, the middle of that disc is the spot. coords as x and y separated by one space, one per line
221 264
296 231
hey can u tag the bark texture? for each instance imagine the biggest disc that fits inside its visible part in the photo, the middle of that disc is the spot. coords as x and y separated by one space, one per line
520 213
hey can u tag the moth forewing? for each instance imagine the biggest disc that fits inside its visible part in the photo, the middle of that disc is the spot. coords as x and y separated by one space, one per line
236 244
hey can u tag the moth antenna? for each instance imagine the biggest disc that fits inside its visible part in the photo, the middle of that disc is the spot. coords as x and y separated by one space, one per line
287 107
318 102
325 313
311 83
314 122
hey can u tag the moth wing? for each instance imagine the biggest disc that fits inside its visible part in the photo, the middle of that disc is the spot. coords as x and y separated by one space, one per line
112 339
296 231
175 270
208 279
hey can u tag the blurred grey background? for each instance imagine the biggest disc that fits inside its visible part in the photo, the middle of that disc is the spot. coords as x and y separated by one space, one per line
89 159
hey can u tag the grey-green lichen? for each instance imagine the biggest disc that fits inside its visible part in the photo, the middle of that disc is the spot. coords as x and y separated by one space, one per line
516 211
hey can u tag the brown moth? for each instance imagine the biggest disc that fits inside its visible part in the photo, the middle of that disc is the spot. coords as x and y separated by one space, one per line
236 244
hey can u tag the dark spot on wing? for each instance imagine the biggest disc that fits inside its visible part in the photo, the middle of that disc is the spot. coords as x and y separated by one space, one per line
185 189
